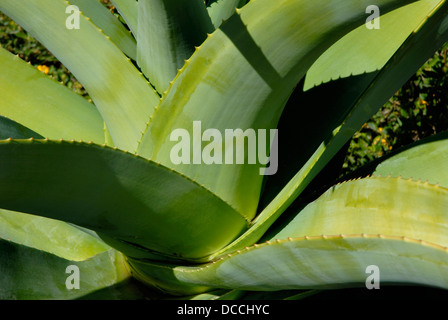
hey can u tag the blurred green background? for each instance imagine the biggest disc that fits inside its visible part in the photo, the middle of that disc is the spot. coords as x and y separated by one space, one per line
418 110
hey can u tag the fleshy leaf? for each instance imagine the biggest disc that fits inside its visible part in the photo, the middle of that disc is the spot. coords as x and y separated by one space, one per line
425 161
222 10
355 63
52 236
422 43
12 129
168 31
122 95
240 78
32 274
332 241
135 205
43 105
111 26
35 253
128 10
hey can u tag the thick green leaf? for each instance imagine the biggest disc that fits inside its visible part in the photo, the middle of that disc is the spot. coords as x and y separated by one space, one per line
411 161
222 10
324 262
43 105
416 210
135 205
426 162
12 129
128 10
121 94
332 241
168 31
367 50
35 253
32 274
328 262
52 236
351 64
430 35
243 74
106 21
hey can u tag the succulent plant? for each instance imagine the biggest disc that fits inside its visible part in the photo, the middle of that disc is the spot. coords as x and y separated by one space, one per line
90 188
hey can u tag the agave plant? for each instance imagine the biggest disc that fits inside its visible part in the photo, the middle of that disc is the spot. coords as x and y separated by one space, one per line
92 185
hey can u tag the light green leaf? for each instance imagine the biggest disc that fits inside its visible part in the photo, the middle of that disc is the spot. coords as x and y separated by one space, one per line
367 50
222 10
331 242
425 161
411 55
35 253
241 78
326 262
352 65
168 31
128 10
323 262
32 274
416 210
106 21
43 105
12 129
410 162
135 205
52 236
121 94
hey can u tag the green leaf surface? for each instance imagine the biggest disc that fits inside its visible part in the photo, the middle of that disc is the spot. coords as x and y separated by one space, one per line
221 10
12 129
135 205
106 21
128 10
41 104
32 274
351 64
331 242
325 263
416 210
35 253
422 43
121 94
425 162
367 50
168 31
52 236
243 74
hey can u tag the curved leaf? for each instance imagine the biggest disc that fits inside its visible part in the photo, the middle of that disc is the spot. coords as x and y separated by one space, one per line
426 162
222 10
12 129
323 262
121 94
430 35
32 274
111 26
352 64
43 105
128 9
168 32
416 210
367 50
52 236
35 253
244 73
136 205
332 241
